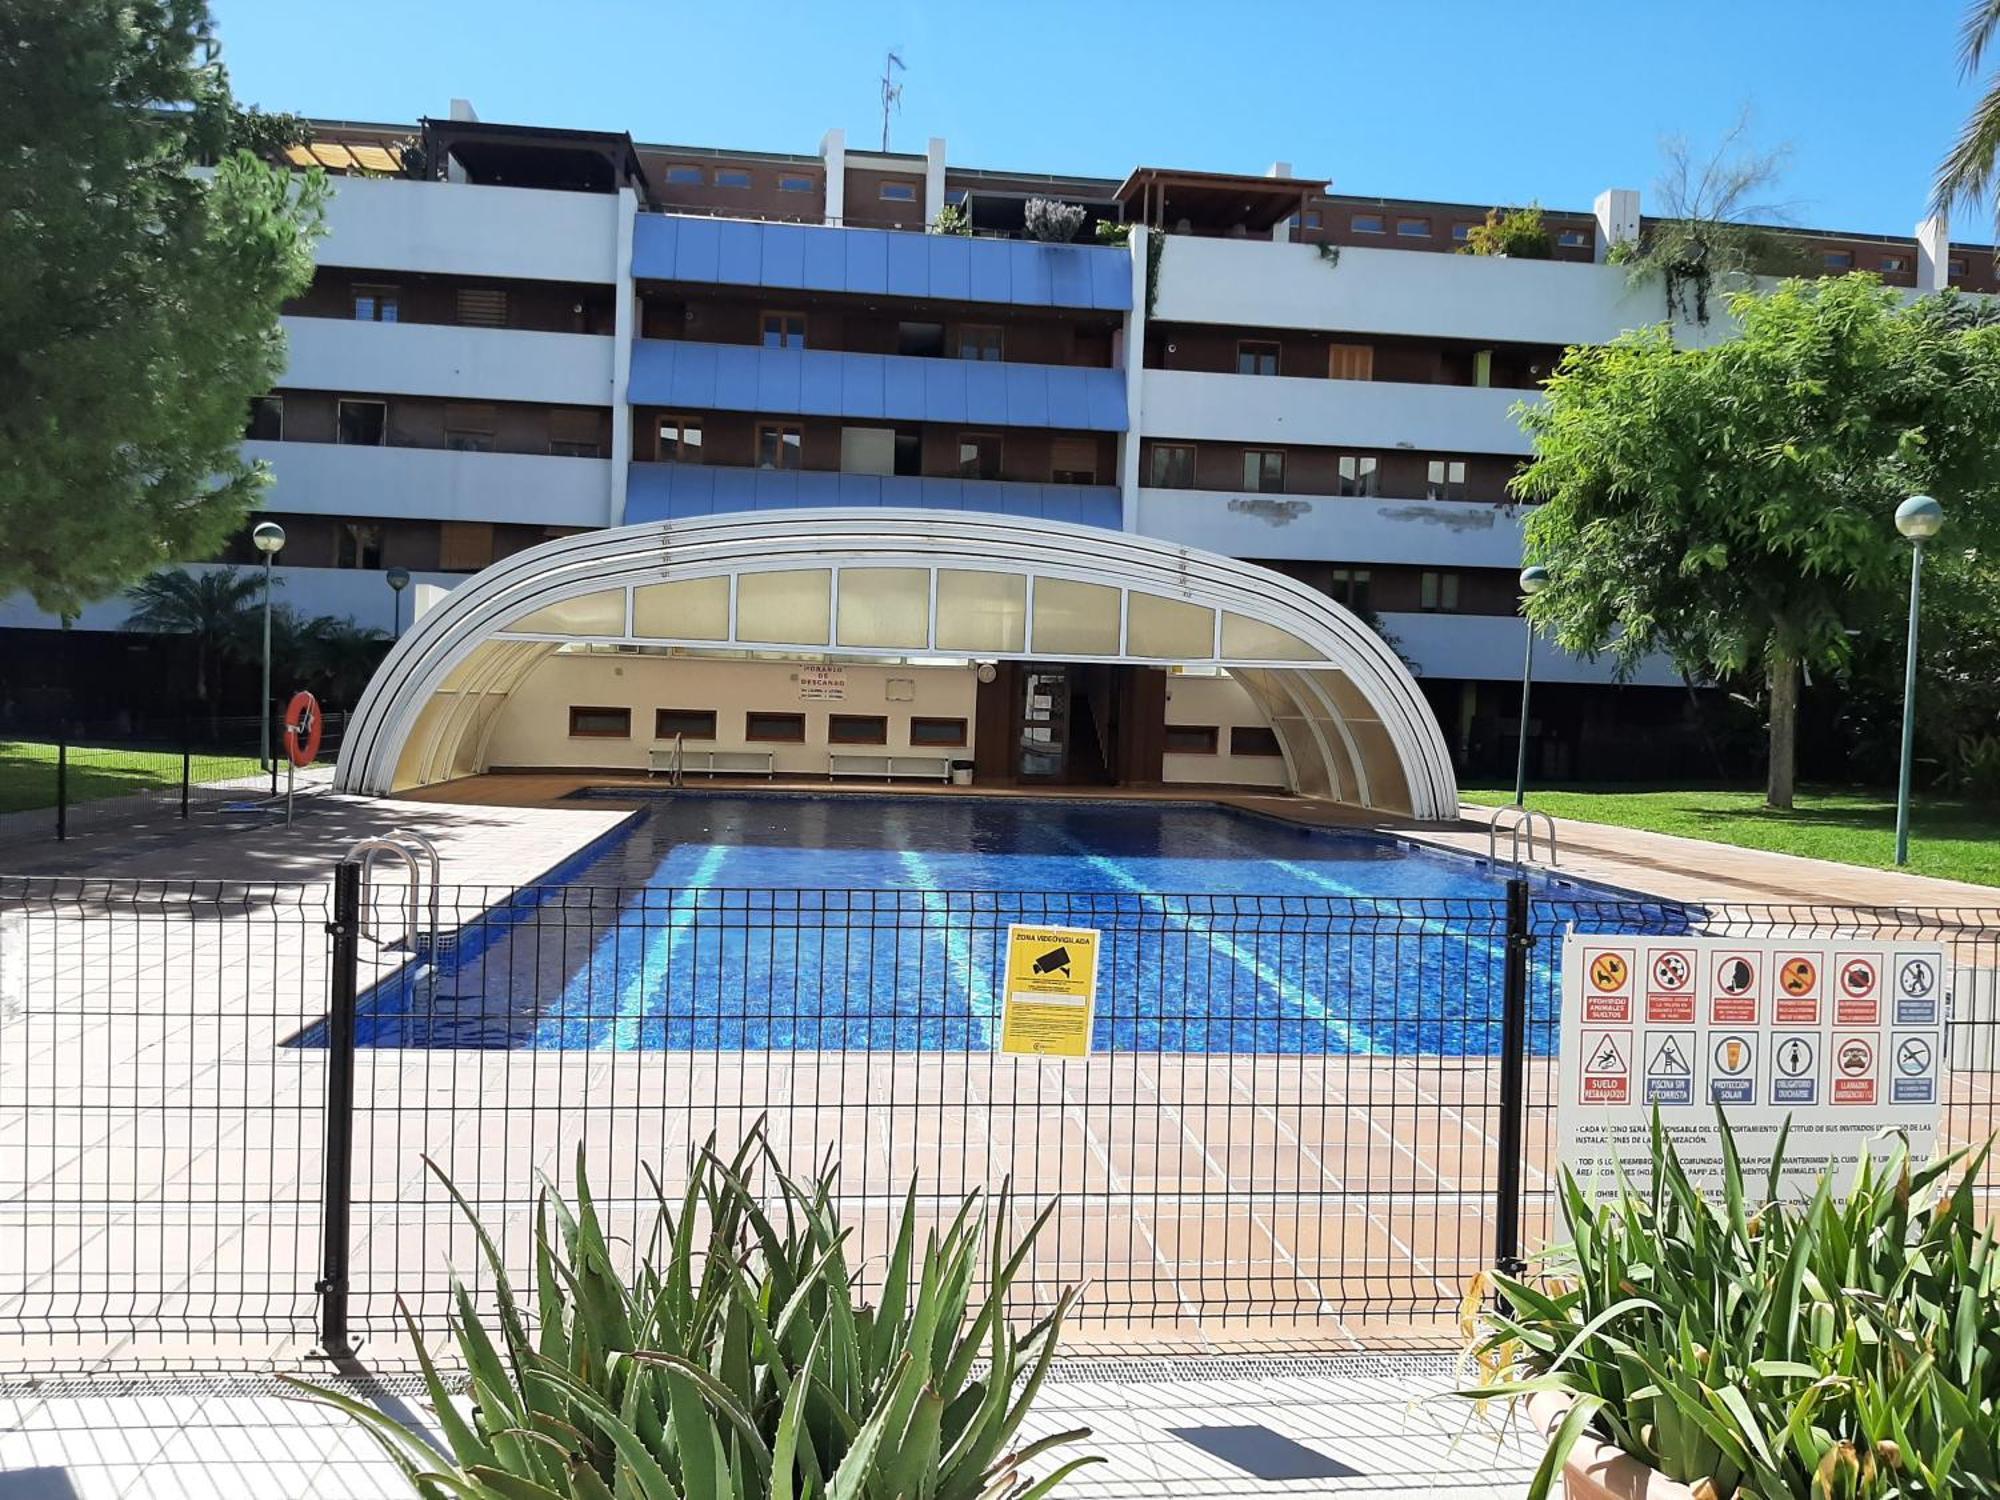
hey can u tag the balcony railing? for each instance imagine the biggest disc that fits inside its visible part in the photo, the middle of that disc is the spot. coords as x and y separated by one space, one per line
669 491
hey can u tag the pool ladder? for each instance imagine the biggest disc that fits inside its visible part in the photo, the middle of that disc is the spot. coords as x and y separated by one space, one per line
1523 819
408 849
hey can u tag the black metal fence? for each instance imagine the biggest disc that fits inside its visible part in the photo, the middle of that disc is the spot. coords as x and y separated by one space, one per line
217 1102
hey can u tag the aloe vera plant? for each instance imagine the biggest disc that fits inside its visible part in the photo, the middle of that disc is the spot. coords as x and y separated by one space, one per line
739 1361
1839 1348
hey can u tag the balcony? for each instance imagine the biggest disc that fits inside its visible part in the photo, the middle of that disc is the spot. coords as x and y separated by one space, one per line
1489 648
1332 413
880 262
335 479
456 228
882 387
432 359
669 492
1330 528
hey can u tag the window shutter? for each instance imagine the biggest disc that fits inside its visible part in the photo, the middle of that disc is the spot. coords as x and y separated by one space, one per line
1074 456
575 424
465 546
482 307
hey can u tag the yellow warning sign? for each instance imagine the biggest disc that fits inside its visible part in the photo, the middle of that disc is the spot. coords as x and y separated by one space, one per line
1051 990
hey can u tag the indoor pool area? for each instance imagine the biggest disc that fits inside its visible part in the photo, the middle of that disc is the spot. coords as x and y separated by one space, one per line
743 922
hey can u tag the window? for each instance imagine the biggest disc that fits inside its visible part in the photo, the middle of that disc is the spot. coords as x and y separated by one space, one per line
267 419
923 340
1413 229
1573 239
468 428
1358 474
363 422
688 723
680 440
926 731
784 330
1351 361
482 307
1252 739
1445 479
1955 266
375 304
1073 461
792 182
1172 466
979 341
1366 224
857 729
731 177
1838 260
1264 470
978 455
685 176
783 729
1895 263
1309 220
358 544
1256 358
1350 587
1438 592
899 192
778 446
600 723
1461 233
1312 218
1191 739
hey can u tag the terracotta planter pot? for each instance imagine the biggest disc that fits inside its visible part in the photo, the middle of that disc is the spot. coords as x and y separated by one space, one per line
1596 1470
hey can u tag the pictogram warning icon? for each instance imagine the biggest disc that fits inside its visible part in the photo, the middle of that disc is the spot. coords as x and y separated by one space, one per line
1607 1073
1858 977
1855 1057
1608 971
1671 970
1730 1076
1667 1058
1913 1056
1795 1057
1798 976
1606 1059
1735 976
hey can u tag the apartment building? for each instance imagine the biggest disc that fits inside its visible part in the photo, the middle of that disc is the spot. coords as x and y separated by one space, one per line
516 335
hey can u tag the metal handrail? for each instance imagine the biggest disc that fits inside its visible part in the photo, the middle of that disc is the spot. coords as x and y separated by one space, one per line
1524 819
407 847
674 771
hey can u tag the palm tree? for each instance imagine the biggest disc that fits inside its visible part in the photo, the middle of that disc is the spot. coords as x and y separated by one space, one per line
210 608
339 656
1968 172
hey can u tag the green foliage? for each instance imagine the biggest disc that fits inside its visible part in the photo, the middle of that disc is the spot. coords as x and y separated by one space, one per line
952 219
1111 232
1053 221
738 1361
139 309
1517 233
1733 505
1156 250
1967 173
216 609
1842 1347
1330 254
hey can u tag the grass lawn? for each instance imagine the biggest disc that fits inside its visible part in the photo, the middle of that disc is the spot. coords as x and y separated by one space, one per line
1950 839
28 772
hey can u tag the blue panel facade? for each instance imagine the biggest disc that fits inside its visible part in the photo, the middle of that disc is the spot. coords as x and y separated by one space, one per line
668 492
897 263
896 387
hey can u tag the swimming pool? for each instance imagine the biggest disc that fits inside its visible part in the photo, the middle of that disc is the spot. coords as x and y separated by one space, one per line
736 921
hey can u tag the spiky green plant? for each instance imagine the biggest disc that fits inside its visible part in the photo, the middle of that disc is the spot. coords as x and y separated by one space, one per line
739 1361
1840 1348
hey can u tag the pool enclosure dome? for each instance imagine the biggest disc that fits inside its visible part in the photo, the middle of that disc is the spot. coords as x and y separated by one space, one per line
911 585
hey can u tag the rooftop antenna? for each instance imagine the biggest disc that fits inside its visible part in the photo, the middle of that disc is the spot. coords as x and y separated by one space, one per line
892 92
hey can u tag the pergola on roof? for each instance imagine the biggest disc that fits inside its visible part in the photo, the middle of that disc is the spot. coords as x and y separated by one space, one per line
1161 197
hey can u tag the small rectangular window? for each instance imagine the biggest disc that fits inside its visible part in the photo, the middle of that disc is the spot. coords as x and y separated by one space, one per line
1256 357
1312 218
1073 461
1252 739
1366 224
1358 474
600 723
779 446
935 731
920 340
685 176
1264 470
482 307
267 419
1445 479
1351 361
979 341
1172 466
468 428
1191 739
731 177
784 330
680 440
358 544
792 182
1413 229
688 723
1573 239
376 304
1461 232
1955 266
857 729
362 423
1895 263
1838 260
774 728
899 192
1438 592
1350 586
978 455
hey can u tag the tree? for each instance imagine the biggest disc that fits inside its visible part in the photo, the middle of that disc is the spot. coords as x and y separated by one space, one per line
1967 173
139 304
336 657
216 609
1732 506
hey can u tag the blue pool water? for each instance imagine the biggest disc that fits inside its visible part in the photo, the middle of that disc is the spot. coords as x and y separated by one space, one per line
729 921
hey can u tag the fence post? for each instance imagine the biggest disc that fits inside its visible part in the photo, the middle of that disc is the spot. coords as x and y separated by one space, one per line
1513 1081
337 1162
62 783
187 773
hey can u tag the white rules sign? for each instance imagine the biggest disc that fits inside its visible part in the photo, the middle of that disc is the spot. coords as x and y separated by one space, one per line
1843 1039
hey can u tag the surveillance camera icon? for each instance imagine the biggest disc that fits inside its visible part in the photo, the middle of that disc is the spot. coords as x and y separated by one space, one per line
1055 961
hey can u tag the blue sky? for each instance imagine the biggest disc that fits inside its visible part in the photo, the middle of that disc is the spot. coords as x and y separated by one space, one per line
1461 100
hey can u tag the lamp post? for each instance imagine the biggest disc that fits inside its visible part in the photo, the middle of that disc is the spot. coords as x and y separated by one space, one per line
1533 581
269 538
1919 518
399 579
